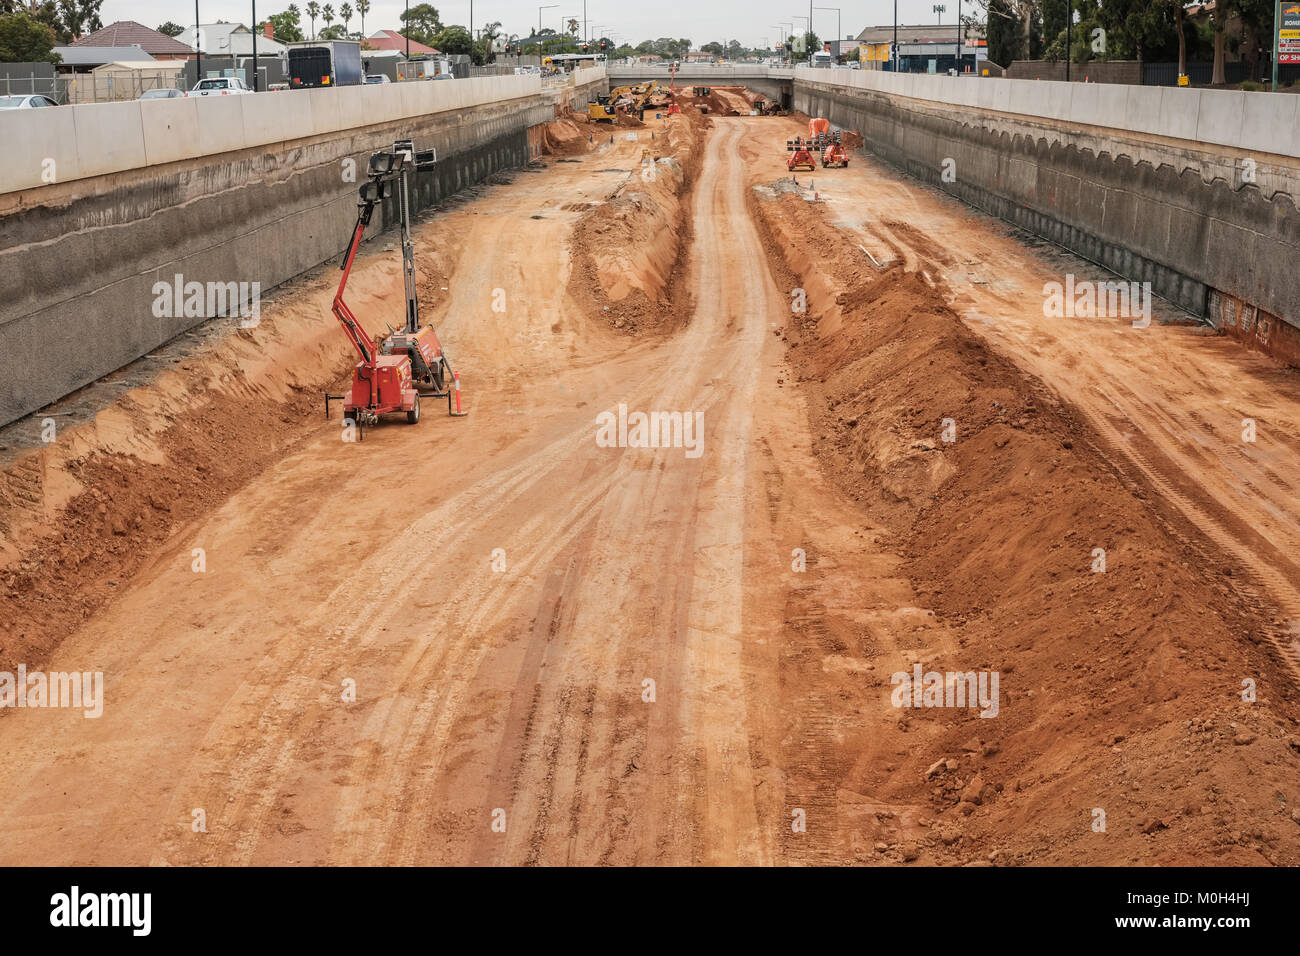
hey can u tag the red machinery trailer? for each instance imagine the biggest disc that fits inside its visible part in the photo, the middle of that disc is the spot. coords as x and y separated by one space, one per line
801 156
391 373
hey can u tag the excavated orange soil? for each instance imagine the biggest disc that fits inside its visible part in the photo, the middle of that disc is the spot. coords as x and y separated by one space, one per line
641 655
629 250
1119 692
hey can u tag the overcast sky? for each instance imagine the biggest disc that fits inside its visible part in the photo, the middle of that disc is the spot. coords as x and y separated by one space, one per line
749 21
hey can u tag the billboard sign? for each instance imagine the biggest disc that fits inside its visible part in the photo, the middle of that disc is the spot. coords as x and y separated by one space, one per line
1288 32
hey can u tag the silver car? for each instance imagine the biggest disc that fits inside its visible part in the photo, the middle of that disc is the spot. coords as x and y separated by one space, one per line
162 95
31 101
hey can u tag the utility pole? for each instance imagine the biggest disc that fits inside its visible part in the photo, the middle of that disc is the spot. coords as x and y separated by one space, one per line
1277 32
407 21
198 45
839 36
255 84
959 43
1069 16
893 54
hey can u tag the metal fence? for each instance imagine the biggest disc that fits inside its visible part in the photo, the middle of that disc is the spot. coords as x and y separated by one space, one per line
22 79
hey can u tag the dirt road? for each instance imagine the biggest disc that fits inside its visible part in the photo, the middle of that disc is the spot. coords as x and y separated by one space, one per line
499 639
1212 426
519 688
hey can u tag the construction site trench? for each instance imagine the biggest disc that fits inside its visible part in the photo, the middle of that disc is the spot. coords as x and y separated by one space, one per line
887 469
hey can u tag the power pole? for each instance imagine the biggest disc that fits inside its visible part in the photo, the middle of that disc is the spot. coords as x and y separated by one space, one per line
1069 15
254 46
198 45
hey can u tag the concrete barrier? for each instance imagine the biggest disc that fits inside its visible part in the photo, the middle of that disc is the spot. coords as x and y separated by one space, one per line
1078 164
1255 122
114 137
251 189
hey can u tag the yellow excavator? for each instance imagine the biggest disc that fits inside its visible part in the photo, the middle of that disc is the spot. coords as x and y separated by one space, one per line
622 99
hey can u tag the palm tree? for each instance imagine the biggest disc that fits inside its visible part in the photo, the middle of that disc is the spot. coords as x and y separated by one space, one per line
345 14
313 11
363 7
327 14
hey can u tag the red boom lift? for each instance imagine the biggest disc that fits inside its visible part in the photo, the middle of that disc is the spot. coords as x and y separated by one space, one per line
391 373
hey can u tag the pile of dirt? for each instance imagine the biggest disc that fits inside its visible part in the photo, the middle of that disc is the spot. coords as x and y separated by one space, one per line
714 104
564 137
86 512
1121 689
628 121
628 251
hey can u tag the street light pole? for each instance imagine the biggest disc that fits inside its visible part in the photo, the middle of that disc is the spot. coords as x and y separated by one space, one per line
254 46
198 45
839 37
894 53
1069 15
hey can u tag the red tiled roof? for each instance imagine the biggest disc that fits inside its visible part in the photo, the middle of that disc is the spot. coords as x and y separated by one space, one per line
392 40
130 33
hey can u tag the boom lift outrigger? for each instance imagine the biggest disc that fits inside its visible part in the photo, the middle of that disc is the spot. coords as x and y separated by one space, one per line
390 374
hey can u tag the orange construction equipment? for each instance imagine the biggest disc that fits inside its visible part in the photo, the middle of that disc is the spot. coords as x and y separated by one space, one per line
827 143
672 91
392 371
801 156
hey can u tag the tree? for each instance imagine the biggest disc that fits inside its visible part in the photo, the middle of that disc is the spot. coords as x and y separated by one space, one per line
345 14
453 39
287 26
313 11
811 43
483 52
363 7
713 47
79 17
24 39
327 14
1219 16
422 23
171 29
1015 29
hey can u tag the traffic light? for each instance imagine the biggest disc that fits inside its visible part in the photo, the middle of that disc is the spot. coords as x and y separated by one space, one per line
602 45
585 48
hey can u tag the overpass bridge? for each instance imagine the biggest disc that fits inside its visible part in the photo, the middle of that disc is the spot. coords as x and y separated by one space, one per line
776 83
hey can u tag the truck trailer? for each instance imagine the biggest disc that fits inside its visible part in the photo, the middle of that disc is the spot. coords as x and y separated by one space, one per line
324 63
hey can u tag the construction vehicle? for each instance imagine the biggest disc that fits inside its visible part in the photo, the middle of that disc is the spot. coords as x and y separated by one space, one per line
622 99
391 373
673 108
801 155
828 144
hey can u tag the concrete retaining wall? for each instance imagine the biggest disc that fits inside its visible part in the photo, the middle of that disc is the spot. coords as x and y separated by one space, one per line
238 189
1150 210
1249 122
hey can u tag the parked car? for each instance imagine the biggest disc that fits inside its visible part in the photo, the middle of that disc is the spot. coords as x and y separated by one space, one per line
30 101
162 94
376 79
219 86
443 76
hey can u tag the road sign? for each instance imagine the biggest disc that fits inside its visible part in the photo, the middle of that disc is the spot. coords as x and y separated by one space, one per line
1288 32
